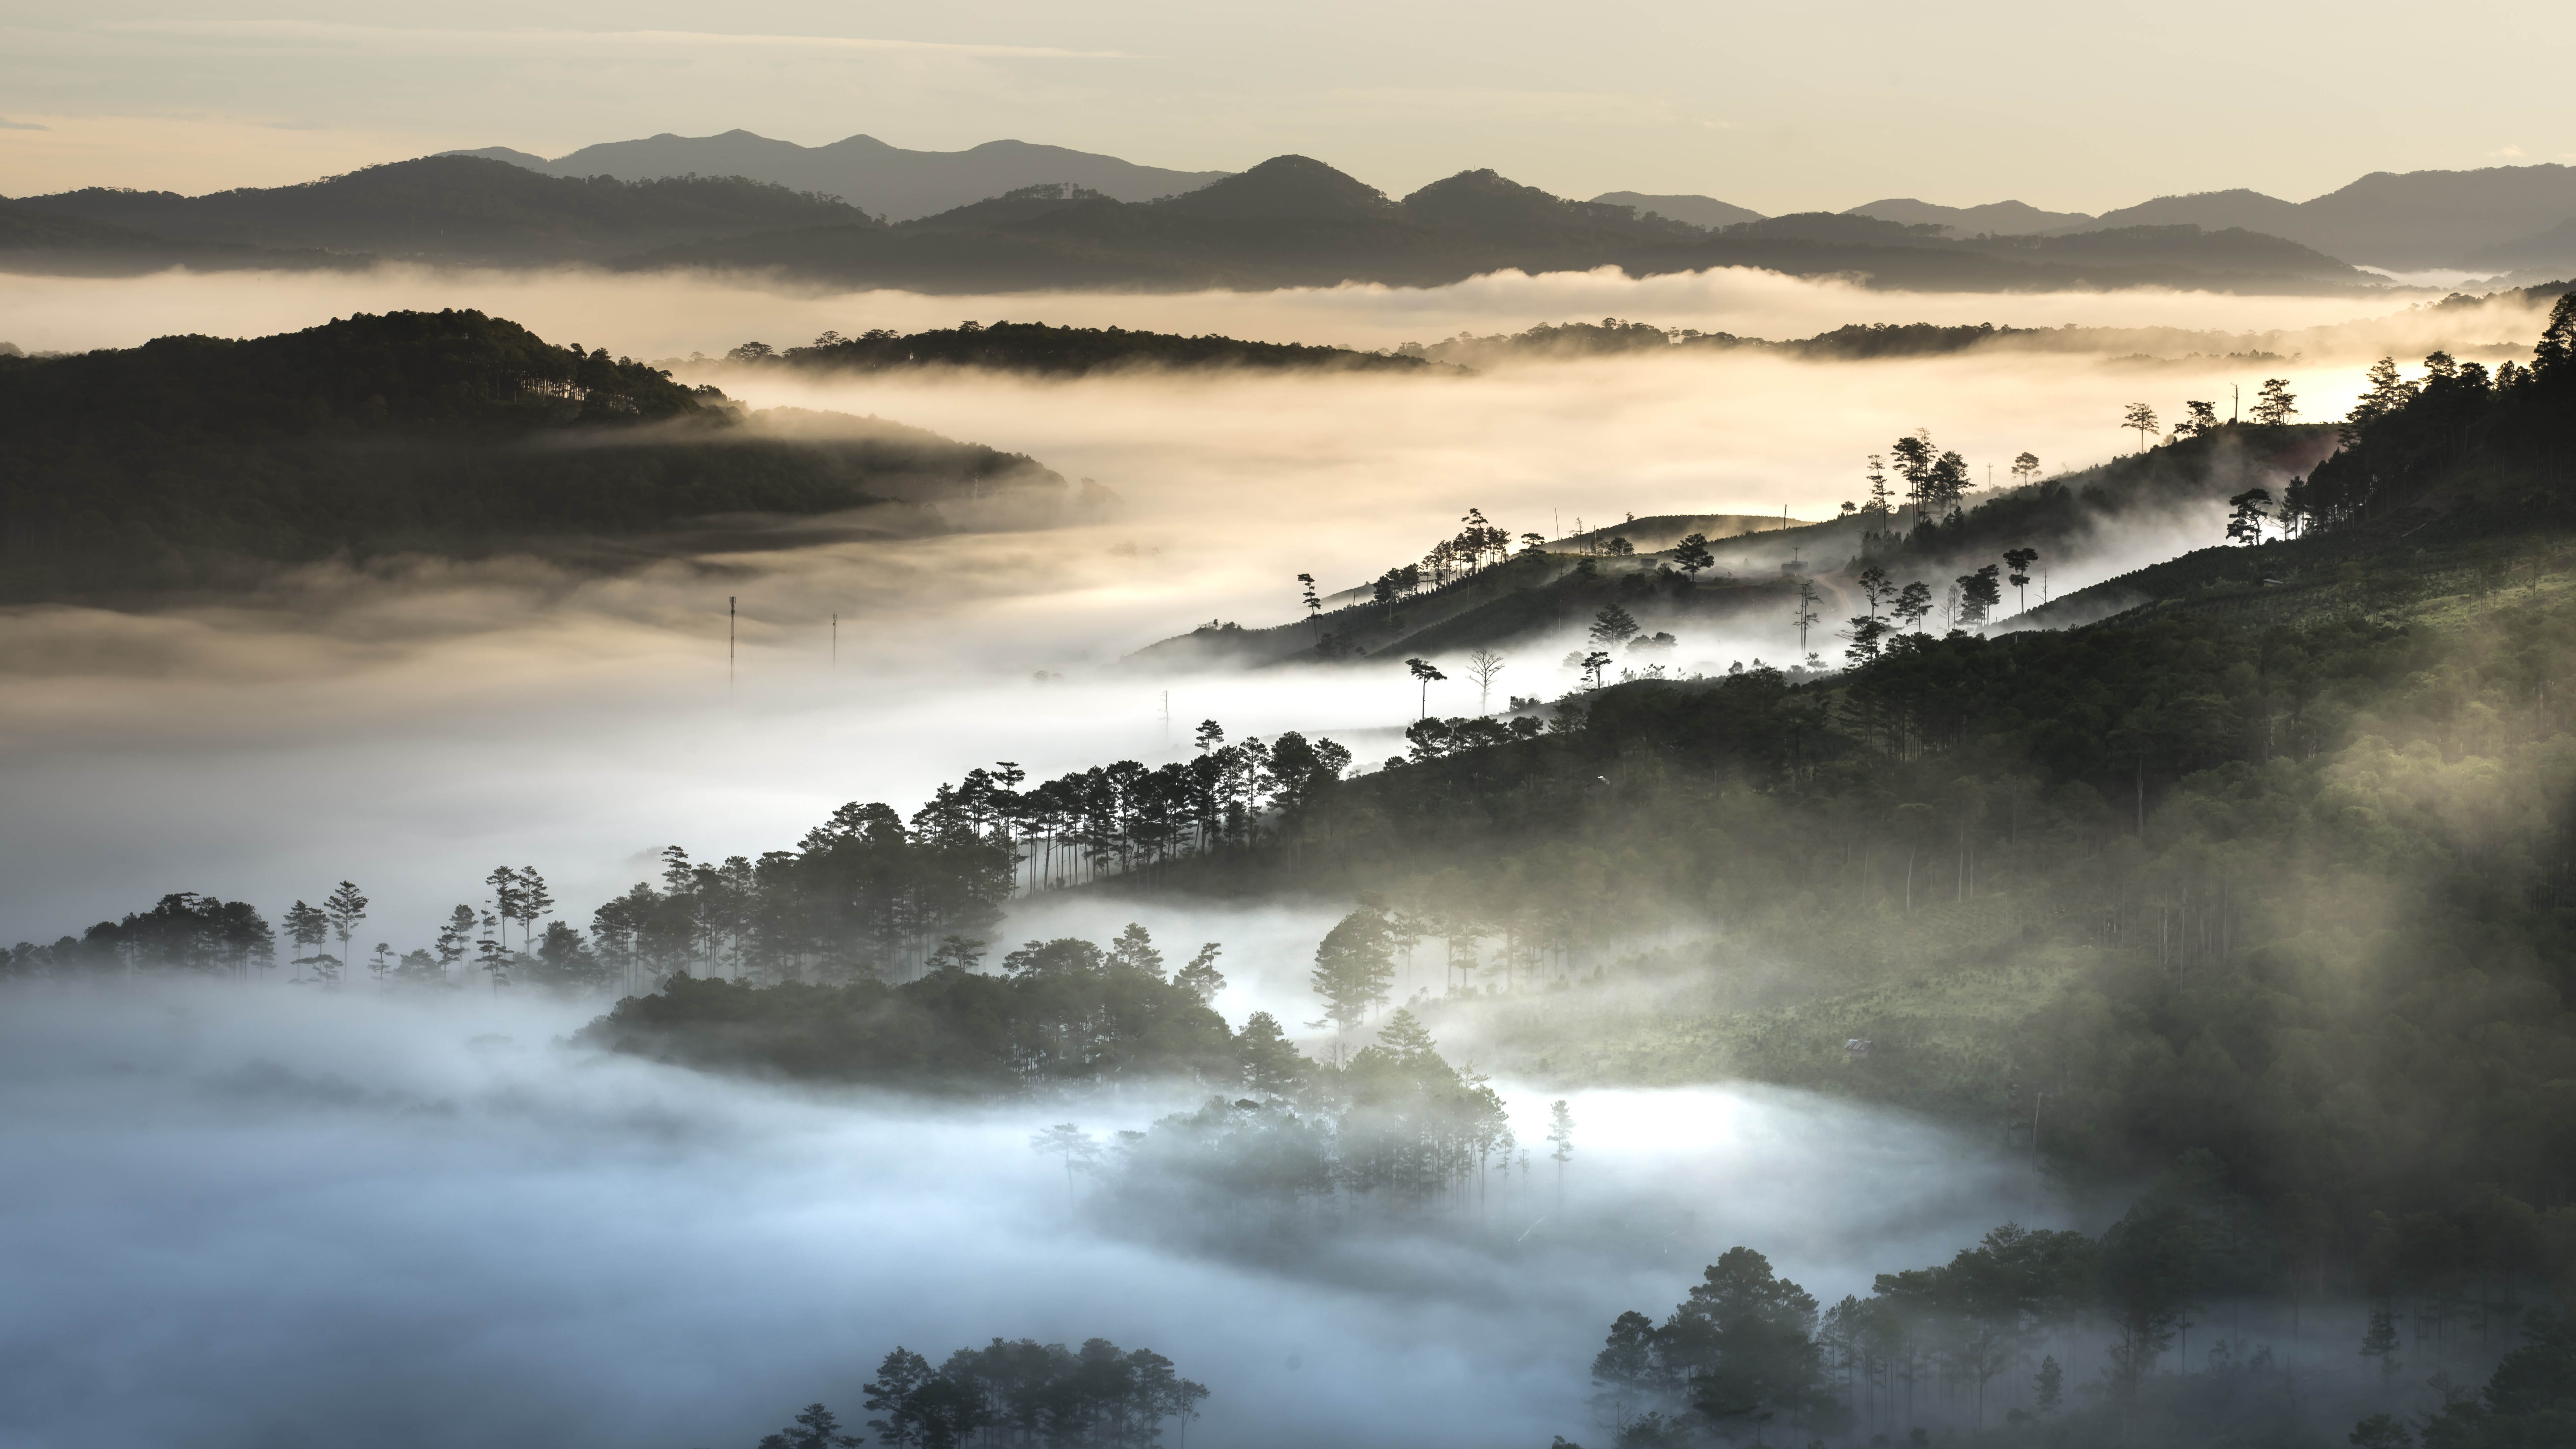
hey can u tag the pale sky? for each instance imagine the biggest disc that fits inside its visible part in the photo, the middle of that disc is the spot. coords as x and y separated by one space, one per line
1776 107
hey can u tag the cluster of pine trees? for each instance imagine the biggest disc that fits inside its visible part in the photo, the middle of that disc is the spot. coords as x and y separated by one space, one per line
1022 1394
1995 1345
1393 1125
1056 1014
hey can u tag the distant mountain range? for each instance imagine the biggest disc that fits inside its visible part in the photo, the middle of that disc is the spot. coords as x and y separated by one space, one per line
2504 217
2421 219
893 183
2413 220
438 208
1995 218
1291 221
2552 251
1294 221
1705 211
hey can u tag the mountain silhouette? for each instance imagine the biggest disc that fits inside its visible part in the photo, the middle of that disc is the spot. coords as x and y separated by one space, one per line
2553 251
2414 219
1293 221
1284 186
458 208
2215 210
1994 218
1702 211
888 181
1489 202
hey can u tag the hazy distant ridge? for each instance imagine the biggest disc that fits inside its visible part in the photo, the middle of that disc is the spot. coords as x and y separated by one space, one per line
889 181
2416 219
1995 218
1705 211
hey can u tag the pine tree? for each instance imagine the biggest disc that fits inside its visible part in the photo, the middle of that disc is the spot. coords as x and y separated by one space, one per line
1612 627
1069 1141
2245 515
2380 1341
1271 1063
534 902
2276 404
454 937
2019 560
1200 977
1406 1039
492 952
1913 605
308 928
2140 419
1560 1136
1427 675
346 908
1354 966
507 897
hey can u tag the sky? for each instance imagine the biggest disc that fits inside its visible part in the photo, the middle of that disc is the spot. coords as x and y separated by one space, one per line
1780 108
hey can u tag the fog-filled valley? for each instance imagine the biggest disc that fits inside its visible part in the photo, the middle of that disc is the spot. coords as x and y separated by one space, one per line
461 709
435 1221
1631 862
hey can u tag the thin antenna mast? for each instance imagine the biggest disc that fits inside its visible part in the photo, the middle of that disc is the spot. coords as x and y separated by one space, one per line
836 641
729 641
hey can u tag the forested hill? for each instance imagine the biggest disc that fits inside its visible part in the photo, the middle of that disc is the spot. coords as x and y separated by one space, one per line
1473 591
199 461
2457 472
452 208
1035 347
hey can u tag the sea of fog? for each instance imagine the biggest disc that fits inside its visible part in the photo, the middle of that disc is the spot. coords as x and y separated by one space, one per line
677 314
415 726
268 1218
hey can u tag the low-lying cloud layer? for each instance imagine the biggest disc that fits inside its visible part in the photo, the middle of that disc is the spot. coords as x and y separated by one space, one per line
414 725
265 1218
674 315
